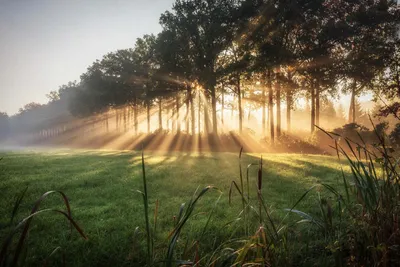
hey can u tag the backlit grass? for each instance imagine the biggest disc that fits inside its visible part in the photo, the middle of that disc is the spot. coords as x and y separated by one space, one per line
101 186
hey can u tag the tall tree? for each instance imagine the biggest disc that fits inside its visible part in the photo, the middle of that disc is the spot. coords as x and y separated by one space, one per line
206 27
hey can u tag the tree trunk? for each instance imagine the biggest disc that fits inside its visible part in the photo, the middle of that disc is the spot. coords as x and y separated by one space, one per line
160 114
192 112
214 110
199 114
288 102
135 115
206 118
240 105
173 119
188 96
148 116
278 105
352 109
263 100
317 103
270 107
178 123
312 106
222 106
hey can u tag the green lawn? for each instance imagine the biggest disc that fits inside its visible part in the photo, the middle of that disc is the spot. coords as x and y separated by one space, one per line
102 188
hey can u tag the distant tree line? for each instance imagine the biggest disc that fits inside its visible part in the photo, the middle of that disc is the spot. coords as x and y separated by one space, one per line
240 55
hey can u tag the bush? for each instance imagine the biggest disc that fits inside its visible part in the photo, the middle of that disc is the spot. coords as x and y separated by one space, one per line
394 136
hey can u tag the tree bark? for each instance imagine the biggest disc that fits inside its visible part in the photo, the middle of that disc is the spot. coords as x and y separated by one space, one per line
192 112
187 109
160 114
173 119
263 99
288 103
239 91
352 109
214 110
178 124
135 115
317 103
312 106
148 116
222 106
199 114
278 105
206 118
270 106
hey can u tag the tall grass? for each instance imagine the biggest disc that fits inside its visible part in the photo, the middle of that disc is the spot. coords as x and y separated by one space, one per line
359 227
10 256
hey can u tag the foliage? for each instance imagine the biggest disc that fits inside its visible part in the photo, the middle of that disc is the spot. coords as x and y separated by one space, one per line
395 135
4 125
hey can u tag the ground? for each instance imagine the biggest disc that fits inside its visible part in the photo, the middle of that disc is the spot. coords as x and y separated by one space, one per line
102 189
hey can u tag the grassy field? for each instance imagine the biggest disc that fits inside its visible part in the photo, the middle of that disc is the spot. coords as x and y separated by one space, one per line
101 186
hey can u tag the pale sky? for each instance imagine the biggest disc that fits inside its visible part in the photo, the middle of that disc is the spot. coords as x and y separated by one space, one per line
46 43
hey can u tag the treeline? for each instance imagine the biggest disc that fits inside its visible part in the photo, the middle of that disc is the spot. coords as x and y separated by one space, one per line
244 55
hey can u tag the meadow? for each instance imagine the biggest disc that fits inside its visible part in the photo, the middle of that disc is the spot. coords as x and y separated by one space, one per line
102 189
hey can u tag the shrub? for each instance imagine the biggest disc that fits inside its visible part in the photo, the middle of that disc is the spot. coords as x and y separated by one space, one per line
395 135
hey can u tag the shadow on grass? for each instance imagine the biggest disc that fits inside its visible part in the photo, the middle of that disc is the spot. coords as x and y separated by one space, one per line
102 188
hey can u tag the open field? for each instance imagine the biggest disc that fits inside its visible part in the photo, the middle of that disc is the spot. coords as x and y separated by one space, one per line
101 186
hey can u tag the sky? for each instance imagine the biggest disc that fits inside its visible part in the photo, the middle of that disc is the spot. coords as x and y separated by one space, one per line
47 43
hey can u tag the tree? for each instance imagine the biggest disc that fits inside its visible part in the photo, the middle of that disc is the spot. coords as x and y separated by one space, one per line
367 43
328 109
28 107
4 125
206 27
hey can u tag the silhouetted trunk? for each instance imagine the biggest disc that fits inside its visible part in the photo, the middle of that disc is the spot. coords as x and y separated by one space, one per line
169 125
206 118
135 115
312 106
187 108
288 102
263 103
317 103
214 110
270 107
199 113
239 91
222 106
278 105
178 124
160 114
148 116
352 109
192 112
173 118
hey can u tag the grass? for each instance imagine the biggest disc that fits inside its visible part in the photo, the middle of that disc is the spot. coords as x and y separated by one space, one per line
102 189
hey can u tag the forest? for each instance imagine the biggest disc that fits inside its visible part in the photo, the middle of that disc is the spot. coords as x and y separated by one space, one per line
251 68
